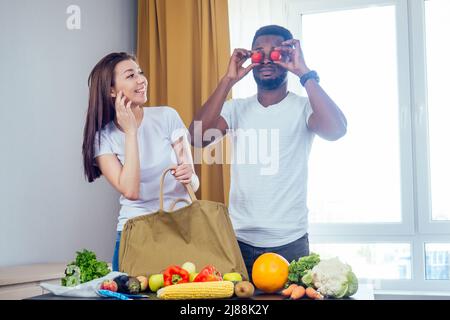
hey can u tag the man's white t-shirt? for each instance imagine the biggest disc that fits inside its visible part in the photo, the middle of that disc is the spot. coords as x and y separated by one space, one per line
160 127
269 169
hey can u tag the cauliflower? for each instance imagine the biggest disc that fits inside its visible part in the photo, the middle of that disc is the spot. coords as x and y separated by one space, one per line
332 278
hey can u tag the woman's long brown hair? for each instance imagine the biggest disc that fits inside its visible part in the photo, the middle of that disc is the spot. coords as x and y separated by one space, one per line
101 109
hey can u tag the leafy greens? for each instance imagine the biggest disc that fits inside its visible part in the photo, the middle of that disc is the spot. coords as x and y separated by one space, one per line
85 268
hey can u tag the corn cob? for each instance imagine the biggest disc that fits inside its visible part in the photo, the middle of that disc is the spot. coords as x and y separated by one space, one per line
197 290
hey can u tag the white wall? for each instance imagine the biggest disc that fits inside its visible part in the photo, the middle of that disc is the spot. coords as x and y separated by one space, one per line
47 209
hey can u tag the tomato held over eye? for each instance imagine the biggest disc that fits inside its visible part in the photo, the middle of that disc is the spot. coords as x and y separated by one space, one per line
275 55
256 57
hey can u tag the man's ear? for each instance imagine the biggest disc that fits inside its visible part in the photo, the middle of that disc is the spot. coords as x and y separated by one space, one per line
113 92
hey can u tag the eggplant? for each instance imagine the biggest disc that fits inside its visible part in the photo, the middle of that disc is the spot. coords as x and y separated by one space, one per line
127 285
122 283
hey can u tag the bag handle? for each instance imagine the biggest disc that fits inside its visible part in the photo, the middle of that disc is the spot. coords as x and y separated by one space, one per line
161 191
172 206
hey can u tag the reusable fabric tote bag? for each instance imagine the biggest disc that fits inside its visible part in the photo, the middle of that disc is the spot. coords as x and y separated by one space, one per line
201 233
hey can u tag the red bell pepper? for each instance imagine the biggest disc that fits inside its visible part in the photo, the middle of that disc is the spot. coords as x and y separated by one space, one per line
175 274
208 273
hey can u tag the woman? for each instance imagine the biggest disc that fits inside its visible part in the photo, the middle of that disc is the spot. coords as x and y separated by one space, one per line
131 145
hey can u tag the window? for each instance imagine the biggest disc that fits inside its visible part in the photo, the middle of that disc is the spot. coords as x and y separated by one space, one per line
377 197
359 71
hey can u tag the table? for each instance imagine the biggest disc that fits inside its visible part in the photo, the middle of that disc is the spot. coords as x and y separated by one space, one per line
365 292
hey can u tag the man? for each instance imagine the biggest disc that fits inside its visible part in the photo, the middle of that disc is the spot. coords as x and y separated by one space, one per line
268 211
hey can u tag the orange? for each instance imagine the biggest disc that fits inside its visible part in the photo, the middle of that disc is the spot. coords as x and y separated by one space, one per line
270 272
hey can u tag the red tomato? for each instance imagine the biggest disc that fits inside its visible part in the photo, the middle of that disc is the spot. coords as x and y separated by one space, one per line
110 285
208 273
256 57
275 55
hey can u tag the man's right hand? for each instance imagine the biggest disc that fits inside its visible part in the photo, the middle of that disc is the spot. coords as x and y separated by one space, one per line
235 69
209 114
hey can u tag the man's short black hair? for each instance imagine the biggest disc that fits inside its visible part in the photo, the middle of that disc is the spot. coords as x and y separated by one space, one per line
273 30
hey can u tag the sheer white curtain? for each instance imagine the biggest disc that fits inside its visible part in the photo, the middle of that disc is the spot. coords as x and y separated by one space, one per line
245 17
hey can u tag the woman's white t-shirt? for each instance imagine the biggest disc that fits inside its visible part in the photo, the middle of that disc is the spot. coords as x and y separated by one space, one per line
160 127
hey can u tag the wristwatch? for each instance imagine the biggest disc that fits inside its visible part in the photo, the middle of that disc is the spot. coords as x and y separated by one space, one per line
309 75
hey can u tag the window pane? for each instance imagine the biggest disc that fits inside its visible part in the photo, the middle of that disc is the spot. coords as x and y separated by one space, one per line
437 261
437 13
371 260
356 179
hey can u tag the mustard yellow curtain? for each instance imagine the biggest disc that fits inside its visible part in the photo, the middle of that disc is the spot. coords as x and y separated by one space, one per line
183 46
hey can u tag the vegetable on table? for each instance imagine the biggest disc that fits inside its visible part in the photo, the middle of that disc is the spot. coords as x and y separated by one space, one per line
126 284
208 273
197 290
313 294
72 276
298 293
134 285
85 268
297 269
288 291
175 274
332 278
122 283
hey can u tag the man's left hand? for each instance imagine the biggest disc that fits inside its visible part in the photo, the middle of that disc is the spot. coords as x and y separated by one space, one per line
293 59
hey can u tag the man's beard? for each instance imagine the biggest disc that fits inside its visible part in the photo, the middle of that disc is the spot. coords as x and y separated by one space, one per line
270 84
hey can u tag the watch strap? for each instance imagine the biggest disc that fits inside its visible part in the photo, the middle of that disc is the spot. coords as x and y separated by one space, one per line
309 75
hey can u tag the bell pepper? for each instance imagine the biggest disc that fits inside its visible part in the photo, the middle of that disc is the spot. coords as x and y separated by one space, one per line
208 273
175 274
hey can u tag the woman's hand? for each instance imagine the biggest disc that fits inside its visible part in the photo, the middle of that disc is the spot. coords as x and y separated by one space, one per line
182 173
125 117
295 61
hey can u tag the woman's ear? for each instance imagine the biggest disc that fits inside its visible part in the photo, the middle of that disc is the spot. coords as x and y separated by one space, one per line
113 92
